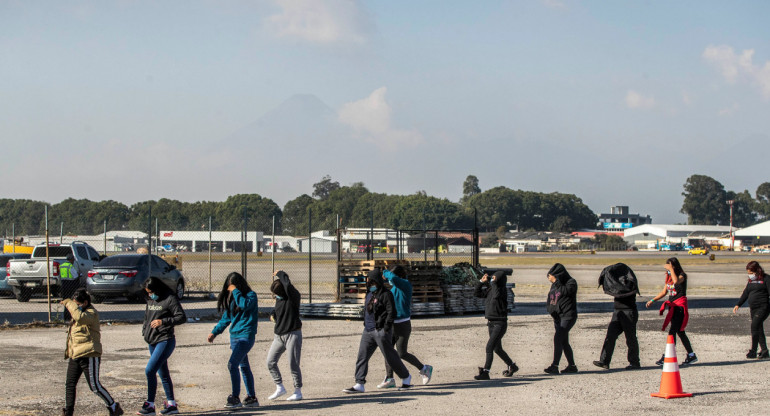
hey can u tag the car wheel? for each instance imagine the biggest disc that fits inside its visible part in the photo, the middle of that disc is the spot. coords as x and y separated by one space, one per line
22 294
180 290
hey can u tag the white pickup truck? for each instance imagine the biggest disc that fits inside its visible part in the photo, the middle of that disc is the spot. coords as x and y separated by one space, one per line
28 276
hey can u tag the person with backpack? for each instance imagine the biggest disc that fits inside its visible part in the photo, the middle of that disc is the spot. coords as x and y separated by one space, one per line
162 314
84 351
379 314
493 291
757 293
287 335
562 306
678 313
620 282
402 326
239 308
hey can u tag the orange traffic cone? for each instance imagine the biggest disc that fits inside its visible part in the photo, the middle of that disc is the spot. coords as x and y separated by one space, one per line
670 383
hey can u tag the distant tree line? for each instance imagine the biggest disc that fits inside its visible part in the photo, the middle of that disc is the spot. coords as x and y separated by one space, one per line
705 203
355 205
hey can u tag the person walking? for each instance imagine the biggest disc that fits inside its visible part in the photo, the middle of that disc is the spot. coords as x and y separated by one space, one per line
162 314
678 314
287 335
84 351
70 281
239 308
379 314
402 326
620 282
562 306
496 312
757 292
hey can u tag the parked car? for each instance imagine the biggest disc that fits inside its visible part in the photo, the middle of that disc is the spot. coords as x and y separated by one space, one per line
701 251
5 258
125 275
762 250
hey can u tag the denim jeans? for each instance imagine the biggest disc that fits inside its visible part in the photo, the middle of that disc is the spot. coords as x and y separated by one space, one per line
240 358
158 363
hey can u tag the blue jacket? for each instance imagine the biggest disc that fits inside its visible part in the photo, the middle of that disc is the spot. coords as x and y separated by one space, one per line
402 294
243 324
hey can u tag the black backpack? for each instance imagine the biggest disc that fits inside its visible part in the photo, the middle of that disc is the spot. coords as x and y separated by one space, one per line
619 281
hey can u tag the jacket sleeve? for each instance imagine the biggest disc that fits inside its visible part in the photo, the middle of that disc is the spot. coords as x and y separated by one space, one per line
288 287
481 290
246 303
81 318
390 310
178 317
744 296
396 281
222 324
568 289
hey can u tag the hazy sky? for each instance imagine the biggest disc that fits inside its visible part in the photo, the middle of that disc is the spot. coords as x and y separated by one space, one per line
617 102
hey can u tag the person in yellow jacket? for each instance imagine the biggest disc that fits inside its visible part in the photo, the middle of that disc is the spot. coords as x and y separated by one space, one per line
84 351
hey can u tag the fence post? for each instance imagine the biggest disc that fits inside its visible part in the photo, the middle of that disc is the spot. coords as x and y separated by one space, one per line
371 237
424 236
435 236
61 233
48 264
272 246
13 231
310 256
105 238
244 237
210 287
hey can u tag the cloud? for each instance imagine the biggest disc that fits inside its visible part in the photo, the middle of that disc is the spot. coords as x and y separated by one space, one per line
554 4
370 118
323 22
736 67
636 100
728 111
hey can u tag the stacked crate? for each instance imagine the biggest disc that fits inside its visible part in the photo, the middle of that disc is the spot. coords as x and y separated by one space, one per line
352 277
459 299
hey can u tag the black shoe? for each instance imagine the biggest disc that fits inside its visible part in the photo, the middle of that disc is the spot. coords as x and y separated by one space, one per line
250 401
602 365
661 361
570 369
552 370
633 367
511 369
118 410
691 359
751 354
763 355
146 409
233 402
483 374
405 387
352 390
66 412
169 410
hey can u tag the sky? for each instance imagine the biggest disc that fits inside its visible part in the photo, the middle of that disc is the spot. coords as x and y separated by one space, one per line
616 102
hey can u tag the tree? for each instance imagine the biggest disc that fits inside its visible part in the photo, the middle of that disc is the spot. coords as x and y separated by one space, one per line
470 187
561 224
705 201
763 200
610 242
294 220
743 208
500 232
323 189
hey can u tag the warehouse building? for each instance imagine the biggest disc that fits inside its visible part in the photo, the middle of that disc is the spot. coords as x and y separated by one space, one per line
756 235
221 241
660 236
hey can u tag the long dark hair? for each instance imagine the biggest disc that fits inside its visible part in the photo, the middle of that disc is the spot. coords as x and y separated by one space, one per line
277 288
674 262
82 296
235 279
370 281
755 268
157 287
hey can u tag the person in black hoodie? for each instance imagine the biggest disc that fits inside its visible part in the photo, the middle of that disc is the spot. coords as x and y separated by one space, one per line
620 282
288 335
757 292
562 305
162 314
496 311
379 313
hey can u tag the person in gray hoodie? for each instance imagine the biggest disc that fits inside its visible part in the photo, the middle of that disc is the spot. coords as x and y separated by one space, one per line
562 306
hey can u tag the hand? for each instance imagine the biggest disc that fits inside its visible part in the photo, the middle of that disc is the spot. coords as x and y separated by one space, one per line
649 303
551 278
484 278
231 288
735 309
156 323
669 267
210 338
63 301
272 318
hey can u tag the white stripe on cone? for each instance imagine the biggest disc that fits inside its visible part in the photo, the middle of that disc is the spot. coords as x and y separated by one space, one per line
670 367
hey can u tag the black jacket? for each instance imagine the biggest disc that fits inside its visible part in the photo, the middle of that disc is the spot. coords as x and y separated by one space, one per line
286 312
757 293
169 311
381 303
620 282
562 297
496 297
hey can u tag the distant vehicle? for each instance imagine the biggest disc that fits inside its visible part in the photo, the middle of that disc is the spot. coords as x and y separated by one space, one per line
762 250
4 261
126 274
671 247
700 251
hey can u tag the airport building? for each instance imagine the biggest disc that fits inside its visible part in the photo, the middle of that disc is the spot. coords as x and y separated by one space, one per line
619 219
756 235
221 241
661 236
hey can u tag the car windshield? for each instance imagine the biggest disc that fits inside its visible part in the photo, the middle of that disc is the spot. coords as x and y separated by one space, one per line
53 251
122 261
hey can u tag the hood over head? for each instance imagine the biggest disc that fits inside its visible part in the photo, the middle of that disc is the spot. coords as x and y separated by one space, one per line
560 273
500 279
375 277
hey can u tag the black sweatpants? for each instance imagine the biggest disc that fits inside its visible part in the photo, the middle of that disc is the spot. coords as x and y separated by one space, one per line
561 340
758 316
676 324
623 322
401 333
370 341
89 366
497 330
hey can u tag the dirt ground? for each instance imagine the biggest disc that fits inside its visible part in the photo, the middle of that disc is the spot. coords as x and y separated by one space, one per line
723 382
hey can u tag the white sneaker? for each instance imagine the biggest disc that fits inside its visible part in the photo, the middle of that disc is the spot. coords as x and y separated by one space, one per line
296 396
357 388
279 391
388 383
406 382
426 374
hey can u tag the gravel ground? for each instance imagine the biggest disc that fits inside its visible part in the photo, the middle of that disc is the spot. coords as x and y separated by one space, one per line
723 382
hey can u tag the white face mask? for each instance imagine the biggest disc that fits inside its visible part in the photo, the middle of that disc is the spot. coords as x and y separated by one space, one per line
752 277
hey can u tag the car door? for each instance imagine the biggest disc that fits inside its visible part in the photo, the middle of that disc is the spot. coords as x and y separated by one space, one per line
162 272
83 261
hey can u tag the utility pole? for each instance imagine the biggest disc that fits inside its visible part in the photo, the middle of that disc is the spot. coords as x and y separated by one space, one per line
732 237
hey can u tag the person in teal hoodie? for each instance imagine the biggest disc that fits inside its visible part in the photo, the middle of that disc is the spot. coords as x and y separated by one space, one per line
238 305
402 325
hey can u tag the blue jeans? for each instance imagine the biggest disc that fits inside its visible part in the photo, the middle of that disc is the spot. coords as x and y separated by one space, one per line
240 358
158 363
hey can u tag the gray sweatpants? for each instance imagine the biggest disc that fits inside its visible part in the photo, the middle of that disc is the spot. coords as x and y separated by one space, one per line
293 343
370 341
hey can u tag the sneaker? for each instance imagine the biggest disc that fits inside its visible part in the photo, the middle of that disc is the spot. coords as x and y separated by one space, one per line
117 411
279 391
296 396
633 367
661 361
233 402
602 365
510 370
570 369
147 409
483 374
427 374
552 370
751 354
406 383
763 355
358 388
388 383
250 401
691 359
169 409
